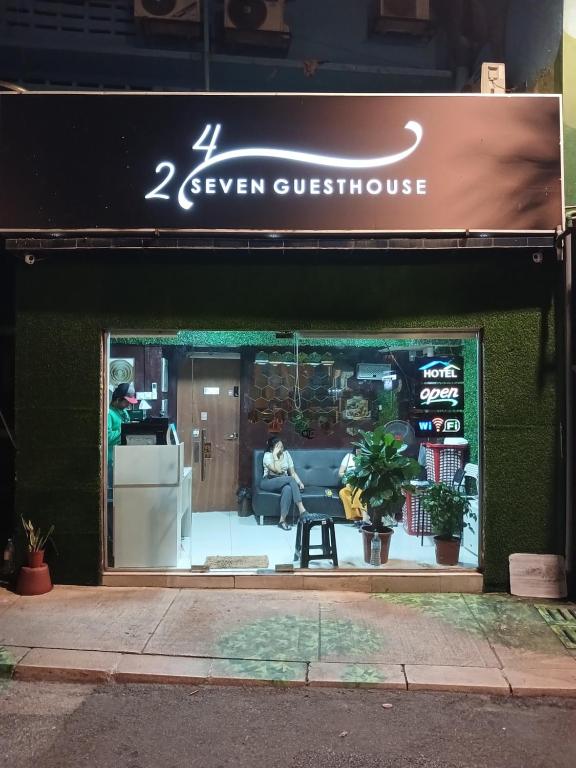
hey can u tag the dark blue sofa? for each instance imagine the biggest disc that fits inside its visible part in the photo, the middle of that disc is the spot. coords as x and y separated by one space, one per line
318 470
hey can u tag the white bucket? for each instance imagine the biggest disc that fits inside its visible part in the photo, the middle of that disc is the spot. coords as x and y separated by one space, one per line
537 575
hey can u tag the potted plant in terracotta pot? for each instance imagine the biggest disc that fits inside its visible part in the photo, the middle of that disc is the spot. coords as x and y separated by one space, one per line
449 510
35 543
34 578
379 474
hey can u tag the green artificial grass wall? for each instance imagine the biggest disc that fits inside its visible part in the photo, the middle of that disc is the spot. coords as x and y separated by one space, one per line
64 302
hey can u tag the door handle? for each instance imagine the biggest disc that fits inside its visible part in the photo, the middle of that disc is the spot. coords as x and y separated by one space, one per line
232 436
202 452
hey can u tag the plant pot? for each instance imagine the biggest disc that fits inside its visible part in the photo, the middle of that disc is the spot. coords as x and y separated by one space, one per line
384 536
34 581
35 559
447 550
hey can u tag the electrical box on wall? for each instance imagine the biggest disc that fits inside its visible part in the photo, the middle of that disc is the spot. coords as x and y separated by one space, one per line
493 77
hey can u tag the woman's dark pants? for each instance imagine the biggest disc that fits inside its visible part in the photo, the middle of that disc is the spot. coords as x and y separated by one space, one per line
289 492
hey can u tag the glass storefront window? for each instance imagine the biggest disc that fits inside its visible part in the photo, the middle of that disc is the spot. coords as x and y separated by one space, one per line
191 484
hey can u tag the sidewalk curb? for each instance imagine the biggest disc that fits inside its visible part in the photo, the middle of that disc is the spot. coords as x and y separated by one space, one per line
96 667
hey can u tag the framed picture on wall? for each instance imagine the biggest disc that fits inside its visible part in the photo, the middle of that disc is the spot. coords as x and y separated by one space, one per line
356 409
164 375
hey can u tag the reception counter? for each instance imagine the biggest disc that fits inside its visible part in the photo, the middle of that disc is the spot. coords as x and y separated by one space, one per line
152 506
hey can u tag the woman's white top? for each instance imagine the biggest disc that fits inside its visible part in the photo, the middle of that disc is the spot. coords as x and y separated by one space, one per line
280 466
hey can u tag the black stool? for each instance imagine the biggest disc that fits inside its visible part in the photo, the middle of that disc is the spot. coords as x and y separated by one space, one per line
302 552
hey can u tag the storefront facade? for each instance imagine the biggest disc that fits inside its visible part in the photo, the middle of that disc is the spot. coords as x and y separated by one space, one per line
405 227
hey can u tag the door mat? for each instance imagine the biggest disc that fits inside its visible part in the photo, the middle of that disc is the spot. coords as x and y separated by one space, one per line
237 561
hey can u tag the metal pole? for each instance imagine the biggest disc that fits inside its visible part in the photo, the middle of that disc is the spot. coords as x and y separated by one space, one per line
206 41
569 436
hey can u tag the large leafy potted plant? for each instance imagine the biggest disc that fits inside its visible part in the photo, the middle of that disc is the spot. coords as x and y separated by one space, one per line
449 511
379 474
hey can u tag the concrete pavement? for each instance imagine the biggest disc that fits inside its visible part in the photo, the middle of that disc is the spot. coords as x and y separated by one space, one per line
440 642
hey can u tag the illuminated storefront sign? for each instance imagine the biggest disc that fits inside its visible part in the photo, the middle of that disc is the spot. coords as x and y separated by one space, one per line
439 396
279 163
440 368
196 183
438 424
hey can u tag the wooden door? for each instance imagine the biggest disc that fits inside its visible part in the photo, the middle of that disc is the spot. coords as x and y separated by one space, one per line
215 425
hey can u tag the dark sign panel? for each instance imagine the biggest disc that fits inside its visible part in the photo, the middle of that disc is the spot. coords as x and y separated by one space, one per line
440 368
438 424
442 396
289 163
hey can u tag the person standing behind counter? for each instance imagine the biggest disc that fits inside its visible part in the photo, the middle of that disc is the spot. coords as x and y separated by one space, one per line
122 397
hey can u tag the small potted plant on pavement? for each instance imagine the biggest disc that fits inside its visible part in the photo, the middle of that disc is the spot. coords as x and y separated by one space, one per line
35 542
449 510
34 579
379 474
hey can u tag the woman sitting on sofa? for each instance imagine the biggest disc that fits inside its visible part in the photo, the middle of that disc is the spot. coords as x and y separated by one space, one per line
353 507
280 475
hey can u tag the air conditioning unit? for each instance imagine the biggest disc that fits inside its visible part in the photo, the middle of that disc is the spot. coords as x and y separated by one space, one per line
374 371
401 16
255 16
169 10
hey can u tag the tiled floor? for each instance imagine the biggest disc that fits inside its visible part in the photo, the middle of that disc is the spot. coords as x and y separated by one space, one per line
225 533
